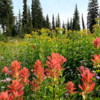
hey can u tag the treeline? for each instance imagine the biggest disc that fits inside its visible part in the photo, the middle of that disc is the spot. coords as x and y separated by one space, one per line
32 18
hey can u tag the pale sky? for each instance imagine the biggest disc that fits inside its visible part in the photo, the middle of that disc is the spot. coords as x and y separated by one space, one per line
65 8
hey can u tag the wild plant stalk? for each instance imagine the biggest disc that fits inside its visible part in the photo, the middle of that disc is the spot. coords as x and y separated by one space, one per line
36 94
53 89
53 92
59 87
95 80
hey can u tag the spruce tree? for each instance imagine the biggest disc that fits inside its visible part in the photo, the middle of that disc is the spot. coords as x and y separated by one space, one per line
24 16
63 26
83 26
47 22
58 21
44 22
19 22
92 13
6 14
37 16
76 23
68 26
29 21
53 23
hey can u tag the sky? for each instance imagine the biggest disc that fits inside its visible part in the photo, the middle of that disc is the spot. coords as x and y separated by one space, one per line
65 8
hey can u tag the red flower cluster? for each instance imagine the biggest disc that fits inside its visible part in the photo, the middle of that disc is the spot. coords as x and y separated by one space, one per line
39 71
24 73
21 79
54 64
16 90
96 60
4 96
70 87
96 42
87 81
15 69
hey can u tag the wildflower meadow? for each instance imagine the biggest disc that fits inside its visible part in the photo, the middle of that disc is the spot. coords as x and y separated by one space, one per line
51 65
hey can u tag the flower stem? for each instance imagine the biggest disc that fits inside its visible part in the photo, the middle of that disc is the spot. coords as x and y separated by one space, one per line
95 86
95 79
59 87
53 93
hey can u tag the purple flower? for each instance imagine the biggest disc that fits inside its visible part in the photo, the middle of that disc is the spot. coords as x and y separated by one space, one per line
97 77
8 79
68 67
3 81
80 61
85 63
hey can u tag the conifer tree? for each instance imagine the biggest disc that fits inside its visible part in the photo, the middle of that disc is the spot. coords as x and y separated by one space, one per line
37 16
58 21
24 16
76 24
83 26
53 23
19 22
6 15
63 26
47 22
29 21
44 22
92 13
68 26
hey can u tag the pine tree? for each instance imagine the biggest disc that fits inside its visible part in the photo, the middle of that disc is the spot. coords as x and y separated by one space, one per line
53 23
63 26
37 16
83 26
68 26
58 21
24 16
19 22
44 22
92 13
76 24
6 14
29 21
47 22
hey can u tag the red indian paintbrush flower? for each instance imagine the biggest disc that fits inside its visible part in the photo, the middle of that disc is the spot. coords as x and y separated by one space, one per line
70 87
88 84
81 69
35 85
16 89
24 73
96 60
5 70
15 69
86 88
54 64
96 42
4 96
87 76
39 71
